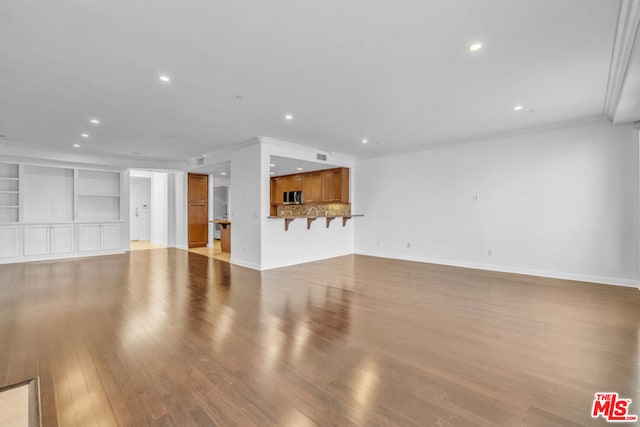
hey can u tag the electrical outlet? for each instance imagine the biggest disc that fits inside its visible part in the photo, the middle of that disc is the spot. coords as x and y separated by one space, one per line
244 250
408 245
490 252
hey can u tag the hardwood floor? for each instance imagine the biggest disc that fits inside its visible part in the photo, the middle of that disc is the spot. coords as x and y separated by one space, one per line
168 337
214 252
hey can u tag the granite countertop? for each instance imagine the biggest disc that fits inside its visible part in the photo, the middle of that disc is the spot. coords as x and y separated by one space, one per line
220 221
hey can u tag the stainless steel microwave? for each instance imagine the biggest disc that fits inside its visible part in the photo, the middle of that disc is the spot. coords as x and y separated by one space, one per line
292 198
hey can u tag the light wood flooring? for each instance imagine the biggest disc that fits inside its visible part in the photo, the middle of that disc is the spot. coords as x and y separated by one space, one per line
14 407
214 252
143 245
169 337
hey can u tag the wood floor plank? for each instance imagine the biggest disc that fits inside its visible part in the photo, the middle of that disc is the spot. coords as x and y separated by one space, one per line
166 337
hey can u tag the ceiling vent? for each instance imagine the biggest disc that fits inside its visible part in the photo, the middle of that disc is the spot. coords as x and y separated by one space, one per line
321 156
200 161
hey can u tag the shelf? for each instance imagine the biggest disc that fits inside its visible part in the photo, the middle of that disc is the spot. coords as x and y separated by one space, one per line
2 178
289 219
8 192
98 195
9 207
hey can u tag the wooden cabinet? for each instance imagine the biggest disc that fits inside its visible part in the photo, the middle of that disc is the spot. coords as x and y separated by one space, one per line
312 188
327 186
277 190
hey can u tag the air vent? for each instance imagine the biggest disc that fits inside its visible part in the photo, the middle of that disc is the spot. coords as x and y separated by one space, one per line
321 156
201 161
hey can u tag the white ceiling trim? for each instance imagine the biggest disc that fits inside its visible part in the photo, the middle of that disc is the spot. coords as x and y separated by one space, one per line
626 31
24 150
564 124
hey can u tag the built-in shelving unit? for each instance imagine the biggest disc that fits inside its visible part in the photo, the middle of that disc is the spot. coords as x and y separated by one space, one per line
58 211
9 192
98 195
47 193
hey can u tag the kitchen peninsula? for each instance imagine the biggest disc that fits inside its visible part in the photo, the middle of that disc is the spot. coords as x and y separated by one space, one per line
311 195
225 234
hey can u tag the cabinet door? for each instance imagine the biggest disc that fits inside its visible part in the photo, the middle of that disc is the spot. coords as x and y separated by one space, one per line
61 239
277 188
296 183
337 186
110 236
36 240
327 186
312 188
8 242
89 237
317 188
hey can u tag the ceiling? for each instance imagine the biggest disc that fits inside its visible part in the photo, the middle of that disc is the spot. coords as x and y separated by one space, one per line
218 170
399 74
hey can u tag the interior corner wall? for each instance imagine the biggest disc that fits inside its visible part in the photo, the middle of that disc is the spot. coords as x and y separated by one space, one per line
171 209
559 203
297 245
180 210
159 208
244 201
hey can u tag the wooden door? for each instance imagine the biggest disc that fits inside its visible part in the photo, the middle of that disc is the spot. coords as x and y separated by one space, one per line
198 210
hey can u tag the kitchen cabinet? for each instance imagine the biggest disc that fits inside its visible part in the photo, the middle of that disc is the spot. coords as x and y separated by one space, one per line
312 188
327 186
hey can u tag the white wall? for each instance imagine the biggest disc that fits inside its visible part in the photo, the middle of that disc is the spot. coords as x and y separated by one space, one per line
297 245
559 203
244 200
159 208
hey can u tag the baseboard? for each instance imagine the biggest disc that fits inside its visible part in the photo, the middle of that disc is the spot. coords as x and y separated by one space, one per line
250 265
61 257
184 248
302 261
605 280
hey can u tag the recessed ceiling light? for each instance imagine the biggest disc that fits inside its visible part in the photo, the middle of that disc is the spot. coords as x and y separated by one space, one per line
364 141
76 145
288 117
272 165
164 78
299 169
517 108
84 135
223 173
475 47
94 121
271 173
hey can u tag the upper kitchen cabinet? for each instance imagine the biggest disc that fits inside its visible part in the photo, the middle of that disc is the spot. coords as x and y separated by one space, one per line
312 188
324 186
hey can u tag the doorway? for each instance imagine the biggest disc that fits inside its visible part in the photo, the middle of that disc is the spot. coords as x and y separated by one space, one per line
140 212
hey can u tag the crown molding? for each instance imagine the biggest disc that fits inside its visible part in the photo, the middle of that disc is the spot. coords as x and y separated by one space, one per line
564 124
626 31
25 150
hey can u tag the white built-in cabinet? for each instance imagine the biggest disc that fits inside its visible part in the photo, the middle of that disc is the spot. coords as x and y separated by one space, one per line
55 211
48 239
100 237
